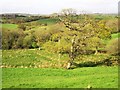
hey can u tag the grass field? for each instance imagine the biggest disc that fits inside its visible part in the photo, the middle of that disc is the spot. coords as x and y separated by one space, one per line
116 35
10 26
34 58
31 58
48 21
113 36
97 77
33 68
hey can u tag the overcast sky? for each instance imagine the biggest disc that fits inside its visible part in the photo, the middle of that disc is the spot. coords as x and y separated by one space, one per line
52 6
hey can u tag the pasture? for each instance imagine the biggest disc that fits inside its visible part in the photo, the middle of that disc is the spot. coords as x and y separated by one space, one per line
97 77
40 69
10 26
115 35
37 54
34 58
48 21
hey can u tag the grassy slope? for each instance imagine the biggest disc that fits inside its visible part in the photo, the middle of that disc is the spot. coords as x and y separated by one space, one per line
48 21
116 35
97 77
42 58
113 36
31 58
10 26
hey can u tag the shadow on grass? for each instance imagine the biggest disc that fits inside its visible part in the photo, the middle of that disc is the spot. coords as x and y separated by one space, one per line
105 62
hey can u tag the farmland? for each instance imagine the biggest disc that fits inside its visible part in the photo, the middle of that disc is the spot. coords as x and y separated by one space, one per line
34 58
42 69
37 51
48 21
10 26
97 77
31 58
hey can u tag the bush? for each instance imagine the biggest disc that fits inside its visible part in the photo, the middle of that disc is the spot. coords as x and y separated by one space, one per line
27 42
22 26
112 47
12 39
9 39
51 46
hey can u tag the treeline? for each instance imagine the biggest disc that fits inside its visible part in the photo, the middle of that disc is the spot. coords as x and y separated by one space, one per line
17 19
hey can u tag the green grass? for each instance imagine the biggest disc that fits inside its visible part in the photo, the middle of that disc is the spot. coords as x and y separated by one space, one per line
39 69
34 58
10 26
48 21
31 58
97 77
116 35
113 36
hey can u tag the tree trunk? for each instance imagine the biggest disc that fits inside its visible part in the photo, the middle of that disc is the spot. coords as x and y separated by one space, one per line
71 54
70 63
96 51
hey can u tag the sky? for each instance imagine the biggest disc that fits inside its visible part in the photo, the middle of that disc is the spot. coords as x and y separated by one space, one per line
55 6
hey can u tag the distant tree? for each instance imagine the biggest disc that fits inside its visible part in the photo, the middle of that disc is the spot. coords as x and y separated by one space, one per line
54 15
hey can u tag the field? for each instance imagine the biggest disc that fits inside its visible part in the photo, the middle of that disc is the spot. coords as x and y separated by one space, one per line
31 58
115 35
38 54
48 21
97 77
34 58
10 26
40 69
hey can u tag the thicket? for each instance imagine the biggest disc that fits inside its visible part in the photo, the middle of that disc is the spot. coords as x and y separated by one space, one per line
17 19
20 39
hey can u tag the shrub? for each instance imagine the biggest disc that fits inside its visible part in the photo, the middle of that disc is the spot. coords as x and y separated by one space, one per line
27 42
9 39
112 47
51 46
34 45
22 26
